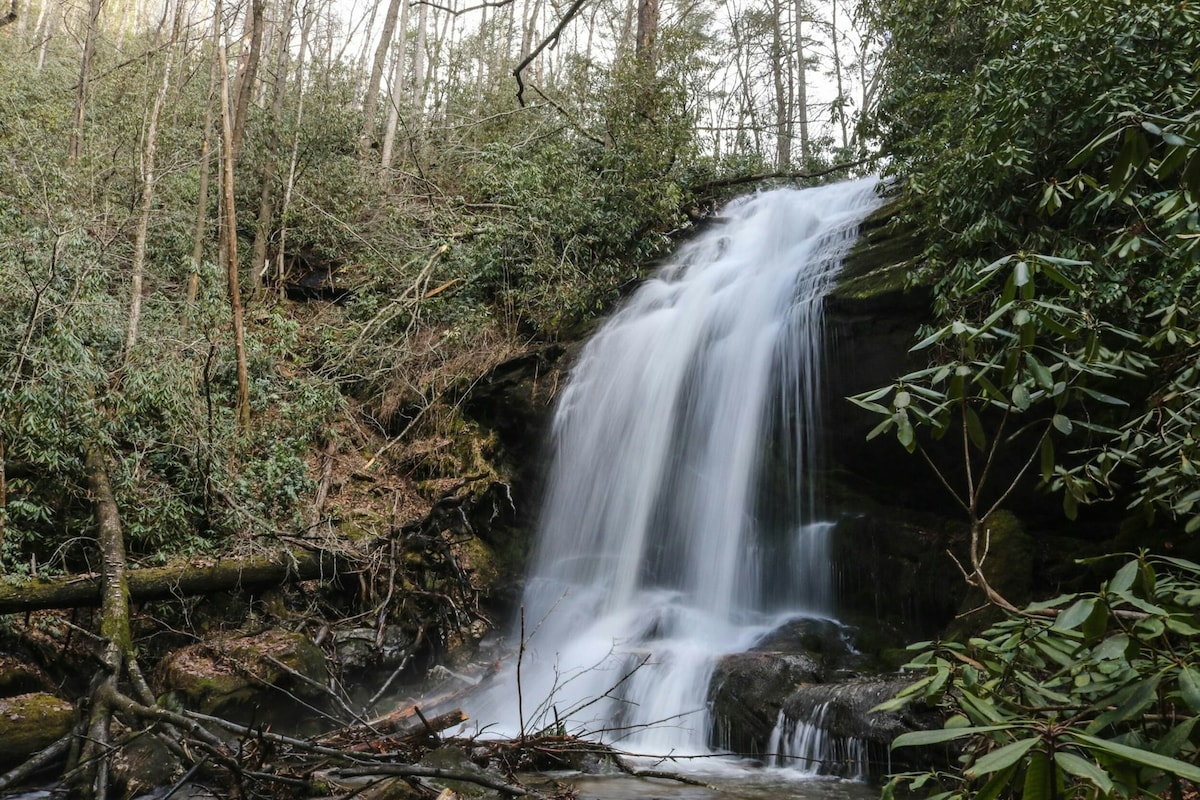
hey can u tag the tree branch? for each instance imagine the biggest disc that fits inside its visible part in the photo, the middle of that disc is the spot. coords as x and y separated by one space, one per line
458 12
740 180
549 41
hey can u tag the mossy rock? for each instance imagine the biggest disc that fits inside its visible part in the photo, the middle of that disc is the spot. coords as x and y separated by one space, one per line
30 722
242 671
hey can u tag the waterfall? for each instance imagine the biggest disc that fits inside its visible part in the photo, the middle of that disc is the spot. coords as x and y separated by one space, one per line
805 745
663 540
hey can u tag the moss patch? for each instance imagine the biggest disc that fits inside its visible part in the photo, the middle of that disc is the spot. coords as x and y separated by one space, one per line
30 722
224 673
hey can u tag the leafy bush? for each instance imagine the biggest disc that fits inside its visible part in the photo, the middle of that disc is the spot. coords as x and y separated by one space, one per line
1092 695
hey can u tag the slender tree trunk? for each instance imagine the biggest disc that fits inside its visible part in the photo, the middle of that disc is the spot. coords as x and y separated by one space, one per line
360 60
200 226
840 102
229 238
442 42
397 93
149 179
801 111
529 22
248 74
419 58
626 35
44 31
783 138
372 96
266 197
485 36
294 160
3 496
75 142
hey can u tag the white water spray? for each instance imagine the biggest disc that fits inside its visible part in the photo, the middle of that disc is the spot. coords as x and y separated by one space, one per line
658 550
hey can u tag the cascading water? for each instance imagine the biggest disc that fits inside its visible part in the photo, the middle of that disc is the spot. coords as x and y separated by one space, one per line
658 549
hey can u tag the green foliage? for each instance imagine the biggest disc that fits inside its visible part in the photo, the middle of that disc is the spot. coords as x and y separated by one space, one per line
1030 376
1091 695
568 209
1068 129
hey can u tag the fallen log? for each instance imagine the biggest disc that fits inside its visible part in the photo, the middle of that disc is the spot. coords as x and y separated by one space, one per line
161 583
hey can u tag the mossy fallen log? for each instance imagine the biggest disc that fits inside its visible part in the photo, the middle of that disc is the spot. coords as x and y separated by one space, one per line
174 580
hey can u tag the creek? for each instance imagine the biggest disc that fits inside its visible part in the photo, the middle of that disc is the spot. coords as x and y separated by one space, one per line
682 520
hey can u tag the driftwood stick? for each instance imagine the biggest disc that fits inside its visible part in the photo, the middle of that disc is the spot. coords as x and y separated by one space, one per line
415 771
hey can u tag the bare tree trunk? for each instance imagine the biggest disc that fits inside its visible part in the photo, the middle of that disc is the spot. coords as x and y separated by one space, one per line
294 160
3 496
397 92
44 31
647 32
443 40
419 58
360 61
840 102
266 196
801 110
783 136
85 73
149 179
626 36
372 96
528 23
247 74
200 229
229 238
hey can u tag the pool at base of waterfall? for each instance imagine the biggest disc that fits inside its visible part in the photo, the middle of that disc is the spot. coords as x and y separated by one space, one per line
730 784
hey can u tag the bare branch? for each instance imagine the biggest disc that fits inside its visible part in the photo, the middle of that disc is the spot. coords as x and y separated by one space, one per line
456 12
549 41
740 180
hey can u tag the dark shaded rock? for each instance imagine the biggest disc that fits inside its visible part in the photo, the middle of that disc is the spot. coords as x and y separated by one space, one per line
364 648
746 692
844 709
145 764
242 672
828 643
515 402
892 572
20 677
831 728
31 722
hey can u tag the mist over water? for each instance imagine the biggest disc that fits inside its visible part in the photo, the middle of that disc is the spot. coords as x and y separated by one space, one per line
680 522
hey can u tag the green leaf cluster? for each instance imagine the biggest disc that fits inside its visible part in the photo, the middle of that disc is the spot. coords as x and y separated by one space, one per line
1091 695
1067 129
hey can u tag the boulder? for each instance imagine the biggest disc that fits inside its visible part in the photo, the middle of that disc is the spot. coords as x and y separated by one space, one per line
30 722
240 672
145 764
360 649
746 692
832 729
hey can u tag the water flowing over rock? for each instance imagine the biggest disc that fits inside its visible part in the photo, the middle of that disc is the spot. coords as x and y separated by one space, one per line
663 543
